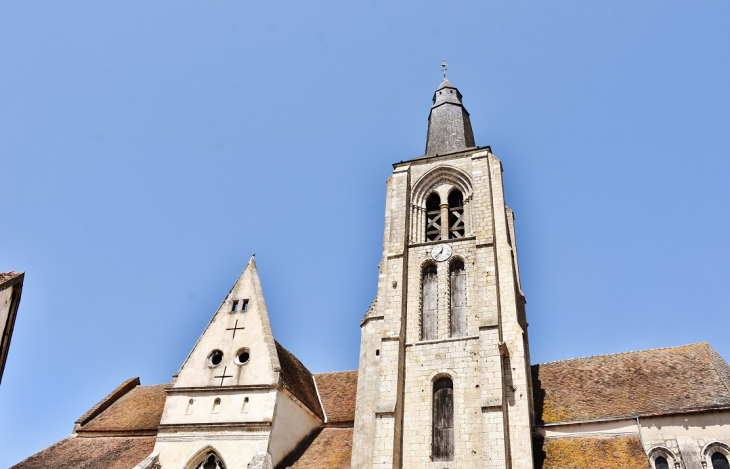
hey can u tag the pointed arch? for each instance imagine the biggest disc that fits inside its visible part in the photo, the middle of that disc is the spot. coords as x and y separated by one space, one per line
438 176
203 456
442 181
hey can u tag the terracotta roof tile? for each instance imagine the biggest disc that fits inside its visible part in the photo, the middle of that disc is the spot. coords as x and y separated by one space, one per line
590 452
91 453
331 449
298 380
8 275
337 391
626 384
140 409
108 400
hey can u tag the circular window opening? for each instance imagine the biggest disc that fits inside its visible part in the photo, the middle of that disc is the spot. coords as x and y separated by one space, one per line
242 356
215 358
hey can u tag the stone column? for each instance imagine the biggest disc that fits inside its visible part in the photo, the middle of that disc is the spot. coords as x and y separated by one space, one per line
444 221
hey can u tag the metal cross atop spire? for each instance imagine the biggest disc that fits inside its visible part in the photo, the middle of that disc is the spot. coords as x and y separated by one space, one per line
444 66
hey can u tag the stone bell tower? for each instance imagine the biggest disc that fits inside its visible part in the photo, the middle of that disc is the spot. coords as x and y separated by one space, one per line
444 377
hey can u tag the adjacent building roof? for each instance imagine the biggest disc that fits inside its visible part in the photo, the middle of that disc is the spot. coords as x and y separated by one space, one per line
131 413
331 449
590 452
140 410
108 452
337 391
4 276
687 377
298 380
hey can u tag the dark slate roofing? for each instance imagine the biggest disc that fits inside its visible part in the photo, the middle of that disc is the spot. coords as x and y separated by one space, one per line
138 410
590 452
108 452
331 449
298 380
445 84
337 391
672 379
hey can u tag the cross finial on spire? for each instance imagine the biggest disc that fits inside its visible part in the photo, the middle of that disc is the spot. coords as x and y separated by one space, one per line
444 66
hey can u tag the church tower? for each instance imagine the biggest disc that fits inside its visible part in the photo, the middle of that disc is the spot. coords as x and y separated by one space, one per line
444 378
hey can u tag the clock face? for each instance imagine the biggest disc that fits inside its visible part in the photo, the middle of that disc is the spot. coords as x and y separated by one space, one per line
441 252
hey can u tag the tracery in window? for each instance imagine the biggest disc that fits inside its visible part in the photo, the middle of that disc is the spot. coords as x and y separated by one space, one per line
211 461
433 218
456 215
719 461
661 463
457 276
429 303
443 420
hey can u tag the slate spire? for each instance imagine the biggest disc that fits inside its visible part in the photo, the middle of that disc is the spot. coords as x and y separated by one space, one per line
449 127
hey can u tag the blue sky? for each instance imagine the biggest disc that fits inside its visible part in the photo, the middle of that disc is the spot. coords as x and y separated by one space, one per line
149 148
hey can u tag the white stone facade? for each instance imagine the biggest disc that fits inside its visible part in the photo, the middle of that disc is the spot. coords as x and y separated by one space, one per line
489 365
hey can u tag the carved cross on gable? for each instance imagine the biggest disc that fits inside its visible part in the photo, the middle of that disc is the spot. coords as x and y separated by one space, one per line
235 328
223 375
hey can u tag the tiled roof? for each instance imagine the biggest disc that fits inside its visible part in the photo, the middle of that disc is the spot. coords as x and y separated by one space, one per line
8 275
331 449
626 384
138 410
106 452
298 380
337 391
590 452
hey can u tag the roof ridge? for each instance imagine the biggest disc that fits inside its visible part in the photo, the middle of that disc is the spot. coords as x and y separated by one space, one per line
330 372
620 353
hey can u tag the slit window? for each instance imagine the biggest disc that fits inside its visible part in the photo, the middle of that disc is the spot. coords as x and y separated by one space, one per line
457 229
443 420
244 306
234 307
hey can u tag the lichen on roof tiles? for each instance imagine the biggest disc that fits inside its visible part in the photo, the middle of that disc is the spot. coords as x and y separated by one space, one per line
590 452
630 383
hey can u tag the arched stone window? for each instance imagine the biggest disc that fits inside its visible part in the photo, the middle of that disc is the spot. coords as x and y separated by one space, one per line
719 461
211 461
456 215
429 303
661 463
433 217
457 276
443 420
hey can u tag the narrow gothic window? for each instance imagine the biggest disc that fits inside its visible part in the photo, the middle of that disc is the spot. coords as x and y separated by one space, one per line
458 299
456 215
443 420
211 461
433 218
428 311
719 461
661 463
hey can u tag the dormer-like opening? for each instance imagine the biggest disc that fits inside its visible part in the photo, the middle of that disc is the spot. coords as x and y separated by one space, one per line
457 228
433 217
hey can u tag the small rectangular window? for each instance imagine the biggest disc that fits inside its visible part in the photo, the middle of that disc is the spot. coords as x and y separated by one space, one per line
377 353
245 305
235 306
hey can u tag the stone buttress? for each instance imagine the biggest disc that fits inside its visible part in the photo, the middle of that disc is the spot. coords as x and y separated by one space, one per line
446 223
